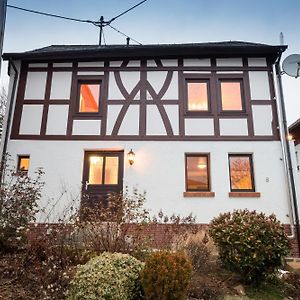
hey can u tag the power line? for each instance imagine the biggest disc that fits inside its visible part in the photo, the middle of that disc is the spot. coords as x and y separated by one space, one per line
100 23
124 34
50 15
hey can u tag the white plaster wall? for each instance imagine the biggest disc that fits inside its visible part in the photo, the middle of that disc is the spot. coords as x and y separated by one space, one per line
257 62
91 64
38 65
86 127
196 62
35 85
130 124
157 79
233 127
31 119
259 85
57 119
112 114
229 62
134 63
159 170
199 126
62 65
173 114
169 62
61 85
155 125
262 119
151 63
172 91
113 90
130 80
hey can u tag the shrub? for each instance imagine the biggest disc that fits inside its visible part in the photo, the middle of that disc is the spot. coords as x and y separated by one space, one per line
19 195
200 249
166 275
249 243
112 276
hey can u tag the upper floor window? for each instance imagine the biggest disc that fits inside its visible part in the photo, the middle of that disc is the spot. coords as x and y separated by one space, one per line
241 172
197 172
231 95
89 96
23 163
198 95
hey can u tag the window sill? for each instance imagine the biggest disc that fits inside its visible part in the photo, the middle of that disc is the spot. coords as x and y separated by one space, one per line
198 194
244 194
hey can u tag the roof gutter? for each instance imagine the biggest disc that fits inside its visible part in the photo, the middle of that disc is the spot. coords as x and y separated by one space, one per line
293 205
9 117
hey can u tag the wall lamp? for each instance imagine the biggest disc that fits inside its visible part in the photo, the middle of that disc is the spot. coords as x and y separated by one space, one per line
130 156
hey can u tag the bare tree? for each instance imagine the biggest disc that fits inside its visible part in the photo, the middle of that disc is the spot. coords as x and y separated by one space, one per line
3 101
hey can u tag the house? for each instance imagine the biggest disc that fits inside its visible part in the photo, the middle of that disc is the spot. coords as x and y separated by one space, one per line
294 130
198 121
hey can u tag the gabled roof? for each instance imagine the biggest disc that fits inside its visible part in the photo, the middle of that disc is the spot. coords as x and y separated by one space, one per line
227 48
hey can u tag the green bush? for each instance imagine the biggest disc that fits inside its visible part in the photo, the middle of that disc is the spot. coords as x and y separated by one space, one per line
250 243
166 276
109 276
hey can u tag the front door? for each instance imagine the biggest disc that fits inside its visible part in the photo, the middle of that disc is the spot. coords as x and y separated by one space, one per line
102 174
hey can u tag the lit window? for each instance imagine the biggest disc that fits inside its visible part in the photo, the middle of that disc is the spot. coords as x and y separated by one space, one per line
241 172
197 172
110 164
197 95
23 163
89 97
231 95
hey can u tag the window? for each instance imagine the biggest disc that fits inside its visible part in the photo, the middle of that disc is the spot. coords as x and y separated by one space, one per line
231 95
241 172
103 169
23 163
89 95
197 95
197 172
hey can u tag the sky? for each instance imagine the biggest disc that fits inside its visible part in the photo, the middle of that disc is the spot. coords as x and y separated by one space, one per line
158 22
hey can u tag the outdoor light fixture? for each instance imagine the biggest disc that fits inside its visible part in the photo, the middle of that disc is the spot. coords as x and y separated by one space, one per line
130 157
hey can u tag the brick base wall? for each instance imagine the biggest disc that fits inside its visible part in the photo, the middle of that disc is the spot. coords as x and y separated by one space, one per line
161 234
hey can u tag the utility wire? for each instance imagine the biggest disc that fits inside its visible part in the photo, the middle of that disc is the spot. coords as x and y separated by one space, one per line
126 11
96 23
51 15
124 34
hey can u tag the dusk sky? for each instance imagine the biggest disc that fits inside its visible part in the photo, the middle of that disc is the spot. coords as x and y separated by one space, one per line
157 22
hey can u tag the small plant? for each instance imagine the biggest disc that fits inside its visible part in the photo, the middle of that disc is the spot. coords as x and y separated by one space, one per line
108 276
250 243
166 275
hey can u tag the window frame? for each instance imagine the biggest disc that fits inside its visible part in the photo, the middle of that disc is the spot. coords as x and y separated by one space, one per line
200 154
198 78
19 170
89 80
250 156
239 79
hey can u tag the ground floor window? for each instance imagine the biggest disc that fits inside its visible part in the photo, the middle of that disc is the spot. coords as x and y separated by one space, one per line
23 163
197 172
241 172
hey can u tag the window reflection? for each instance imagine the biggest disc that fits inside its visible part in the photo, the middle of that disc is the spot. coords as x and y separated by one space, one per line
197 96
197 173
231 96
23 165
95 170
111 170
240 172
89 97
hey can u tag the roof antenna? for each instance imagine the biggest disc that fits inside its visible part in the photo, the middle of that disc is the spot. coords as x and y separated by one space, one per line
281 38
102 23
127 41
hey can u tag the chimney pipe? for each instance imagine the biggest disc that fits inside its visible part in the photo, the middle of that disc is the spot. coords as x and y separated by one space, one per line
127 41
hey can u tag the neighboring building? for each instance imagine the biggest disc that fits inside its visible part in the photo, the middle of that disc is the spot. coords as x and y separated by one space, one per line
294 130
200 118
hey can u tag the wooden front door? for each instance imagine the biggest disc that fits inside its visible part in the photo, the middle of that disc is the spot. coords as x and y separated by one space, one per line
102 174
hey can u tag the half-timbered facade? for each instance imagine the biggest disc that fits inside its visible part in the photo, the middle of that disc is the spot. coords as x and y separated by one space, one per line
201 120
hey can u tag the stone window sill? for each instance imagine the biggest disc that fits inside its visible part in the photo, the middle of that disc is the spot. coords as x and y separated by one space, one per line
198 194
244 194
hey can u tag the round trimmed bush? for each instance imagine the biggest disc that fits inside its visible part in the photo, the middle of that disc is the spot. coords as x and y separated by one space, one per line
250 243
166 276
109 276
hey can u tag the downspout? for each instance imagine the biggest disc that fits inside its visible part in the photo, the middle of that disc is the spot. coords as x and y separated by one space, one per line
9 116
293 205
